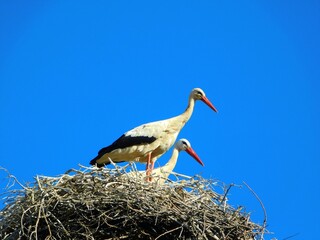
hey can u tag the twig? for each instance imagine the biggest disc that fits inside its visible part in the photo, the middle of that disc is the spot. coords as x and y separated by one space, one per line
294 235
226 193
167 232
263 208
13 177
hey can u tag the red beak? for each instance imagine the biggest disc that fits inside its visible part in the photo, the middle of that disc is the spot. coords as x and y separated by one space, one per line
206 101
194 155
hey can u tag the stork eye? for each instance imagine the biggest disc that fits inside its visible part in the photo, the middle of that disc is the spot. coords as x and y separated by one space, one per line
184 144
198 94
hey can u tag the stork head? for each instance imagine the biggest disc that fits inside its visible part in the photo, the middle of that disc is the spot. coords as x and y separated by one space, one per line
198 94
184 145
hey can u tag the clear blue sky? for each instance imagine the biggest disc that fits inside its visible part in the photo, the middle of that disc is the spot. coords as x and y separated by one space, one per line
75 75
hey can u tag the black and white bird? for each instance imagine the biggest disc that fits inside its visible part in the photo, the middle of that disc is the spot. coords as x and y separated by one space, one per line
146 143
161 174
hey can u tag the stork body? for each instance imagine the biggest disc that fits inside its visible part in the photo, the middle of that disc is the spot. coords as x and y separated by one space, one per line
146 143
161 174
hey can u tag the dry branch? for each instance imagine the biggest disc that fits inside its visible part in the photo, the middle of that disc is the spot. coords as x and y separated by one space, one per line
93 203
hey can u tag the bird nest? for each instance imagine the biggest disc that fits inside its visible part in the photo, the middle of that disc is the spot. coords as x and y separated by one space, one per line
93 203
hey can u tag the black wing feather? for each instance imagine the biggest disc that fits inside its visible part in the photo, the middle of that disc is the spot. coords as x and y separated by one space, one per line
126 141
123 142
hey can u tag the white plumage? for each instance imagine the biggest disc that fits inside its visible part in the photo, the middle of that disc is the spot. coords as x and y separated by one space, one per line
146 143
161 174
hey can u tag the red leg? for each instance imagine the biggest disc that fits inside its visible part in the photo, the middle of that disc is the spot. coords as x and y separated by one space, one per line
149 167
148 161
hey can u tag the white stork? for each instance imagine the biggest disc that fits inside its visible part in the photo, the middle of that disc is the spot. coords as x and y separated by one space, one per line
146 143
161 174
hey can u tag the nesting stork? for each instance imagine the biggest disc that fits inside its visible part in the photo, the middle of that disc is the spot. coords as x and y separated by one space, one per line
147 142
161 174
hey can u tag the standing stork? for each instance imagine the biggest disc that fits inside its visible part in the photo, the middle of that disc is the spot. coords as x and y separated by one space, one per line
161 174
147 142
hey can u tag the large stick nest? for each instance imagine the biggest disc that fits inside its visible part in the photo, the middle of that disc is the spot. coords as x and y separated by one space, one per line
93 203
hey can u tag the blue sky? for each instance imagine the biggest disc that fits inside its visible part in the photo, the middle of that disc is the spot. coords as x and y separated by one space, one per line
75 75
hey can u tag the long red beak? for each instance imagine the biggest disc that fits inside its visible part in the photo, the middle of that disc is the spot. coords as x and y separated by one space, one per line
194 155
206 101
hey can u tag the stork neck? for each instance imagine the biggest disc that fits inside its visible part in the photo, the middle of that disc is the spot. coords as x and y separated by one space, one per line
185 116
172 162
